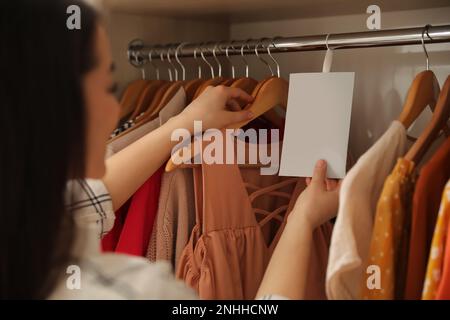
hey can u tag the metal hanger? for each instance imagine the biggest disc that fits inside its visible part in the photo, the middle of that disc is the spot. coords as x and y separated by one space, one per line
423 92
150 59
199 64
161 56
441 112
245 83
137 56
136 60
425 30
273 59
260 58
207 62
175 70
183 69
217 60
328 60
233 73
243 57
191 86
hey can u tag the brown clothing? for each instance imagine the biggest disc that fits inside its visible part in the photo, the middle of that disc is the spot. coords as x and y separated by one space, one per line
233 239
175 217
426 201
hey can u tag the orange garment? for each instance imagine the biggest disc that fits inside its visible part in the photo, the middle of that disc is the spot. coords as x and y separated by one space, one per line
426 201
388 247
444 286
437 280
228 252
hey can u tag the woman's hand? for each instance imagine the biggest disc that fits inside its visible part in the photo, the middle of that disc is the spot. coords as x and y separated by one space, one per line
318 203
217 107
287 272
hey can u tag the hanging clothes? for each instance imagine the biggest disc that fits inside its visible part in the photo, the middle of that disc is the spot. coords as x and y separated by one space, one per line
176 209
443 292
175 217
389 244
110 240
125 126
134 222
172 108
228 252
437 278
358 196
426 201
138 225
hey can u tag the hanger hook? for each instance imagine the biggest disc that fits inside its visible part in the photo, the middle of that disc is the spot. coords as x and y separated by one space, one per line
207 62
273 59
326 41
175 70
242 54
233 75
217 59
136 56
199 64
180 46
425 30
150 59
260 58
161 56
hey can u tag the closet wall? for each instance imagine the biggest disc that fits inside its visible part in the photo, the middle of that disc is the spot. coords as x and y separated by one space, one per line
124 27
383 75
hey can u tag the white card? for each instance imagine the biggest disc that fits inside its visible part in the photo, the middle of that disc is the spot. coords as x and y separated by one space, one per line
317 123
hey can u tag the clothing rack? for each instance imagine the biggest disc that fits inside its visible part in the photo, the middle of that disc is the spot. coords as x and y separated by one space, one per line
138 51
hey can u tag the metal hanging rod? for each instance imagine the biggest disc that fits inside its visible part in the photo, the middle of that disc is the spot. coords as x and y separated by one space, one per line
366 39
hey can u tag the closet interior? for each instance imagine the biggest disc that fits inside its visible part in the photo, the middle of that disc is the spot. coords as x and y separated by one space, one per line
167 52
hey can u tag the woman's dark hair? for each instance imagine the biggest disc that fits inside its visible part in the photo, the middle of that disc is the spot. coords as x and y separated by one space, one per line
42 121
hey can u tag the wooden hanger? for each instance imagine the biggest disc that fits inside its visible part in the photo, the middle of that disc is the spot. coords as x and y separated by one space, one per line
245 83
210 82
438 121
163 96
191 87
273 92
130 96
156 99
227 82
268 94
423 91
168 95
146 97
251 86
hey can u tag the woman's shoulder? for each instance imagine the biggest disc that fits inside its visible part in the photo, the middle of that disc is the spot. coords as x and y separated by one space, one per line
117 276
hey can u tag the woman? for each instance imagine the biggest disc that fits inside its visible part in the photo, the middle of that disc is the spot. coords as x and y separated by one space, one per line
58 109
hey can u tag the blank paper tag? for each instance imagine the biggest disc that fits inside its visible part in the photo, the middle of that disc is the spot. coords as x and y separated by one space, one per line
317 123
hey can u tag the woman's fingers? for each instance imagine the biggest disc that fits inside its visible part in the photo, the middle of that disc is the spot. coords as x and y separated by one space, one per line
331 184
238 116
233 105
320 173
234 93
308 181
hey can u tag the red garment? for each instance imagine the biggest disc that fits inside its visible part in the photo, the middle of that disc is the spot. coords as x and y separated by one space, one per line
109 241
133 227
